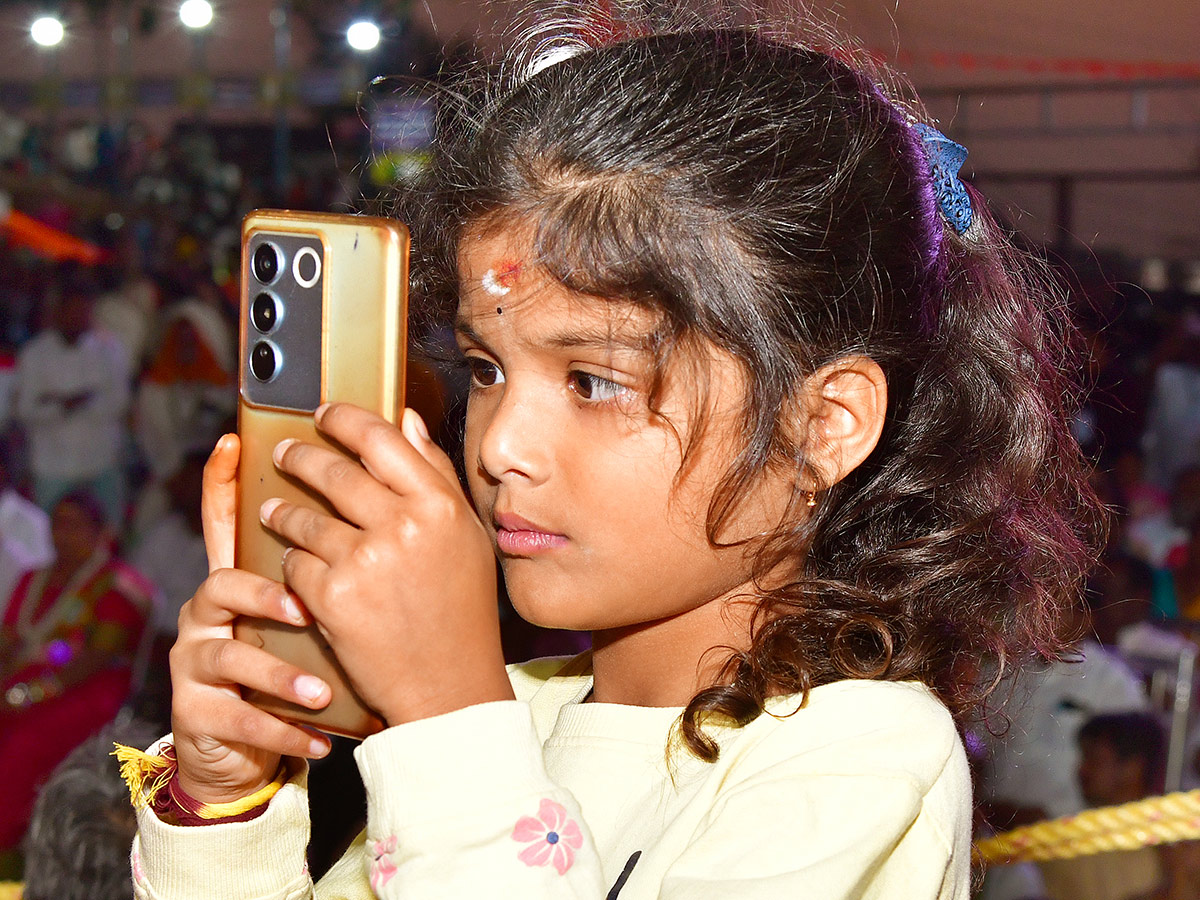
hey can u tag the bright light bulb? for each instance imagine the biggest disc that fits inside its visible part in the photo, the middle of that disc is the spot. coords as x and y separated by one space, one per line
363 35
46 31
195 13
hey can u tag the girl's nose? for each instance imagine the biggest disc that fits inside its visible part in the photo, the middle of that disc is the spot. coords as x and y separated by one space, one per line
514 443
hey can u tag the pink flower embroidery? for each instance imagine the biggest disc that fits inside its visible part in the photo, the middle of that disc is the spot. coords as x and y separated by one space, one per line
382 867
552 837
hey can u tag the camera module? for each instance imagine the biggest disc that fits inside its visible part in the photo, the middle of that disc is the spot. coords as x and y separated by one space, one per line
266 263
264 312
264 361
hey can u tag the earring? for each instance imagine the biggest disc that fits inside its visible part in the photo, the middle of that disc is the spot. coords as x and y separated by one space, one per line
812 499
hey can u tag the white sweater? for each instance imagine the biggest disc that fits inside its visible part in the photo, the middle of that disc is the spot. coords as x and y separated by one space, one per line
864 792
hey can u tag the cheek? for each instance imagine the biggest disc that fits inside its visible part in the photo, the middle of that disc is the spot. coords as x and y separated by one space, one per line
473 428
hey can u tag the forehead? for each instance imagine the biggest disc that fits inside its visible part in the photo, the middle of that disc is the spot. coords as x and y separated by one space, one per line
503 287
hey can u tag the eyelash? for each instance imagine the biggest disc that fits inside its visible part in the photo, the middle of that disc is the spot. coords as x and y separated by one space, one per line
589 387
611 389
477 366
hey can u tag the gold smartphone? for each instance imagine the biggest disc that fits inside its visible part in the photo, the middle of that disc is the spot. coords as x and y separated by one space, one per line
323 318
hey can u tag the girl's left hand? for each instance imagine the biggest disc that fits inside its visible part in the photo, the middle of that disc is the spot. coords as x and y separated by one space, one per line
404 590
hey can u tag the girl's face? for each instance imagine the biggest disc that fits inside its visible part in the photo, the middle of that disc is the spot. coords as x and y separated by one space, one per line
575 479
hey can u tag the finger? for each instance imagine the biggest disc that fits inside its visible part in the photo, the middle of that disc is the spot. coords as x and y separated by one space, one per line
235 721
218 504
412 426
352 491
308 576
225 661
329 538
384 450
229 593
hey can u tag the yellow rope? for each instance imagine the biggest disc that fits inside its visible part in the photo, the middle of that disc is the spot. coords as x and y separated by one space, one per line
1143 823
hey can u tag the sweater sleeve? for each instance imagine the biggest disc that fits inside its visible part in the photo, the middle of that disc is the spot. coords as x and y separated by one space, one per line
461 805
262 859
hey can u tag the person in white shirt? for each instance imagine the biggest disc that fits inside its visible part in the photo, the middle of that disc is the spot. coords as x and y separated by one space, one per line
73 394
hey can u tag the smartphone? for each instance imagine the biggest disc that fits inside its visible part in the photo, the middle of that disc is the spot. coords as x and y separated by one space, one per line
323 318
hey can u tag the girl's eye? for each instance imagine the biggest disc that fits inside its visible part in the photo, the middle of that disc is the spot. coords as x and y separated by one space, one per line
593 387
484 373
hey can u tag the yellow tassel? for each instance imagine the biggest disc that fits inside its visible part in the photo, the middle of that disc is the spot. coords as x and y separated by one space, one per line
144 774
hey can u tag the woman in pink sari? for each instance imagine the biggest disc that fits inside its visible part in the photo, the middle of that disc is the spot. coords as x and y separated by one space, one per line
67 643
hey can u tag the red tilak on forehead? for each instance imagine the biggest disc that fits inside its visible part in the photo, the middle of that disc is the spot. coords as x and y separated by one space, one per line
501 279
509 272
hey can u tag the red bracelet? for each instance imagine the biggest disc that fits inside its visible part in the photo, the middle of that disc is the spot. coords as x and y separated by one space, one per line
154 781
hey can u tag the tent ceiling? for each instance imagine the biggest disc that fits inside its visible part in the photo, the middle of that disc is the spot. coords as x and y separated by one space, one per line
1133 148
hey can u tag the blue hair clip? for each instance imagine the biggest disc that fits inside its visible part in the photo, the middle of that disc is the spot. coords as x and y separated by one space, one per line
945 159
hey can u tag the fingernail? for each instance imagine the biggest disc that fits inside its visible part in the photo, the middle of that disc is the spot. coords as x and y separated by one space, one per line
419 425
222 442
319 412
309 687
292 609
318 748
268 507
280 448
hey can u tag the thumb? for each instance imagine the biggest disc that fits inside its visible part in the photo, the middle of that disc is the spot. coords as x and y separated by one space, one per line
412 426
218 502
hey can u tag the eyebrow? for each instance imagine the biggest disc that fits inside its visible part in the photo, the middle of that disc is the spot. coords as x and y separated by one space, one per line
588 338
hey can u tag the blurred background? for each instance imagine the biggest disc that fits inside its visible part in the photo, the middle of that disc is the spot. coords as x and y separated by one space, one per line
135 134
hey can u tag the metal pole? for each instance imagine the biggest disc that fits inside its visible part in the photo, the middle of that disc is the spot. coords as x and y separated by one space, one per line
281 19
1184 674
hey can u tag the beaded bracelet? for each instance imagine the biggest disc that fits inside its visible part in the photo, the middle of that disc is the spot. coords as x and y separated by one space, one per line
154 782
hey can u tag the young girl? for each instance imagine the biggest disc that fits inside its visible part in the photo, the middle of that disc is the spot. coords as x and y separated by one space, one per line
762 399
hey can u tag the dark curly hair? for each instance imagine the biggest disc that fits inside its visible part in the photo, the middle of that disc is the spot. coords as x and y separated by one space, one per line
771 198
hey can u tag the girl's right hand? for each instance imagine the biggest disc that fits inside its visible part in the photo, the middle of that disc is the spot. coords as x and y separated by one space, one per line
226 748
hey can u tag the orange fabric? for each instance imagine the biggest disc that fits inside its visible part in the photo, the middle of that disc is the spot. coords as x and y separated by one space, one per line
184 356
50 242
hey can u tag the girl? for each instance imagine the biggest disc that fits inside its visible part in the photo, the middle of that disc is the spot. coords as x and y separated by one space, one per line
762 399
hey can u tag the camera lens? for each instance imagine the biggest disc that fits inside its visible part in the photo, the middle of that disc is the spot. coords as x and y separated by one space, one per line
266 263
263 361
264 312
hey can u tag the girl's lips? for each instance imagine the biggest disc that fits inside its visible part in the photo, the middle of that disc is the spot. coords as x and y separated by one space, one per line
519 537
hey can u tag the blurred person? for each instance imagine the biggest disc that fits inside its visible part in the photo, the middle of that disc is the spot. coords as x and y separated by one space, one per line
67 645
1172 438
1122 758
82 826
24 537
73 389
129 308
189 388
1031 770
8 385
171 554
1158 531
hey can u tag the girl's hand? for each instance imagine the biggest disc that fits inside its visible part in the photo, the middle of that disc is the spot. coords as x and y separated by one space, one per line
405 589
226 748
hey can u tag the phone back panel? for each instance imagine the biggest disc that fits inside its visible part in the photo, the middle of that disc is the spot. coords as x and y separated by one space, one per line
362 338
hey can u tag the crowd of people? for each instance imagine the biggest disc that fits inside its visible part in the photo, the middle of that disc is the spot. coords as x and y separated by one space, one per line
116 379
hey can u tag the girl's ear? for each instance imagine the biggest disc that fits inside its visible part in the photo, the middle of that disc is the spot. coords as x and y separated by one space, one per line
846 402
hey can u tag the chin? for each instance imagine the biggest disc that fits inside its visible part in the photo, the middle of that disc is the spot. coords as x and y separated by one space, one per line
550 609
551 616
